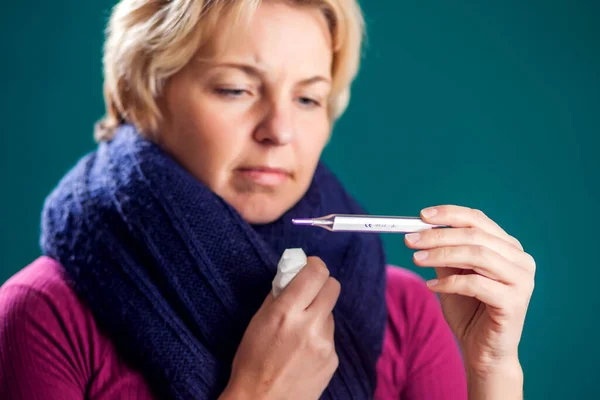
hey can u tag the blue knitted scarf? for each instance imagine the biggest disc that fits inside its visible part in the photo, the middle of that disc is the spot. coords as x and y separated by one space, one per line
173 274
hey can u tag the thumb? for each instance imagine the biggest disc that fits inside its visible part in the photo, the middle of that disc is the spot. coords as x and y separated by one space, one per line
269 299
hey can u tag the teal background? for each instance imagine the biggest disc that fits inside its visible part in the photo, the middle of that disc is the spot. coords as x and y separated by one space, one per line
495 107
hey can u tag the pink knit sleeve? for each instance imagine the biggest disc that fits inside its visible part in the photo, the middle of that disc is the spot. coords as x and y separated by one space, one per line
40 351
50 346
433 367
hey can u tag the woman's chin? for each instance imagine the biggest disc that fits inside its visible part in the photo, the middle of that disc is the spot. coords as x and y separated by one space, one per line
260 210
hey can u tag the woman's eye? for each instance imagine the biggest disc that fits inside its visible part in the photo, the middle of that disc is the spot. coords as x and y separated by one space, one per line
307 101
230 92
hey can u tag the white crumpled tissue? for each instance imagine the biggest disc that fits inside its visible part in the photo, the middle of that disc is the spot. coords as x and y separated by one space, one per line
291 262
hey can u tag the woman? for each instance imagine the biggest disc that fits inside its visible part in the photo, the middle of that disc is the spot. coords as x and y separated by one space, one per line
160 247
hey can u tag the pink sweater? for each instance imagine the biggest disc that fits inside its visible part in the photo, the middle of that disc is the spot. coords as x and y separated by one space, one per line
51 348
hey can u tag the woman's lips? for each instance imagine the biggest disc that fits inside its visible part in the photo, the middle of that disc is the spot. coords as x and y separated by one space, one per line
265 176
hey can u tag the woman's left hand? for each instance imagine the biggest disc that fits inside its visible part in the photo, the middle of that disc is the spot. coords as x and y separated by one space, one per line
485 281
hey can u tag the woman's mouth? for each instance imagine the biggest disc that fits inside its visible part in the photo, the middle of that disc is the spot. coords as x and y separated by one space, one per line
266 176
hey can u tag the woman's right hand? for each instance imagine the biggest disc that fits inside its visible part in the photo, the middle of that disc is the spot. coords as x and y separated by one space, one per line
288 350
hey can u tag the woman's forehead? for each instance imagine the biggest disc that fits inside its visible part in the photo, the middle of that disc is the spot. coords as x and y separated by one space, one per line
272 25
277 36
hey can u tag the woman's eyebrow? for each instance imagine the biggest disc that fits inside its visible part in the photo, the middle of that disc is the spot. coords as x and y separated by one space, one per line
257 72
250 70
314 79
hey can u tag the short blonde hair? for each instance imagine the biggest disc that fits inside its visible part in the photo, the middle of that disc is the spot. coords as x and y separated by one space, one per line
150 40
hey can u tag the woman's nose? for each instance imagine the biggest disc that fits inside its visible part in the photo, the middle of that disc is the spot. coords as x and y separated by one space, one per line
276 127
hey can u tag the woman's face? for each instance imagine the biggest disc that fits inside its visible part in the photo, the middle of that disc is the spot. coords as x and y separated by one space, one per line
252 122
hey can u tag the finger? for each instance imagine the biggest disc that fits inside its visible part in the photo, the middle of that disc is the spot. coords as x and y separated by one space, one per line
479 259
324 302
329 327
268 300
432 238
464 217
305 286
483 289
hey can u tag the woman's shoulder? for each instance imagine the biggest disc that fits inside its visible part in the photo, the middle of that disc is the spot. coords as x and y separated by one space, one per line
41 296
402 278
38 294
406 291
44 275
421 357
49 342
413 309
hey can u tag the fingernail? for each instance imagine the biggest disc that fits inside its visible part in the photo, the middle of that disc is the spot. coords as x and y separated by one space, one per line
429 212
413 237
433 282
421 255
